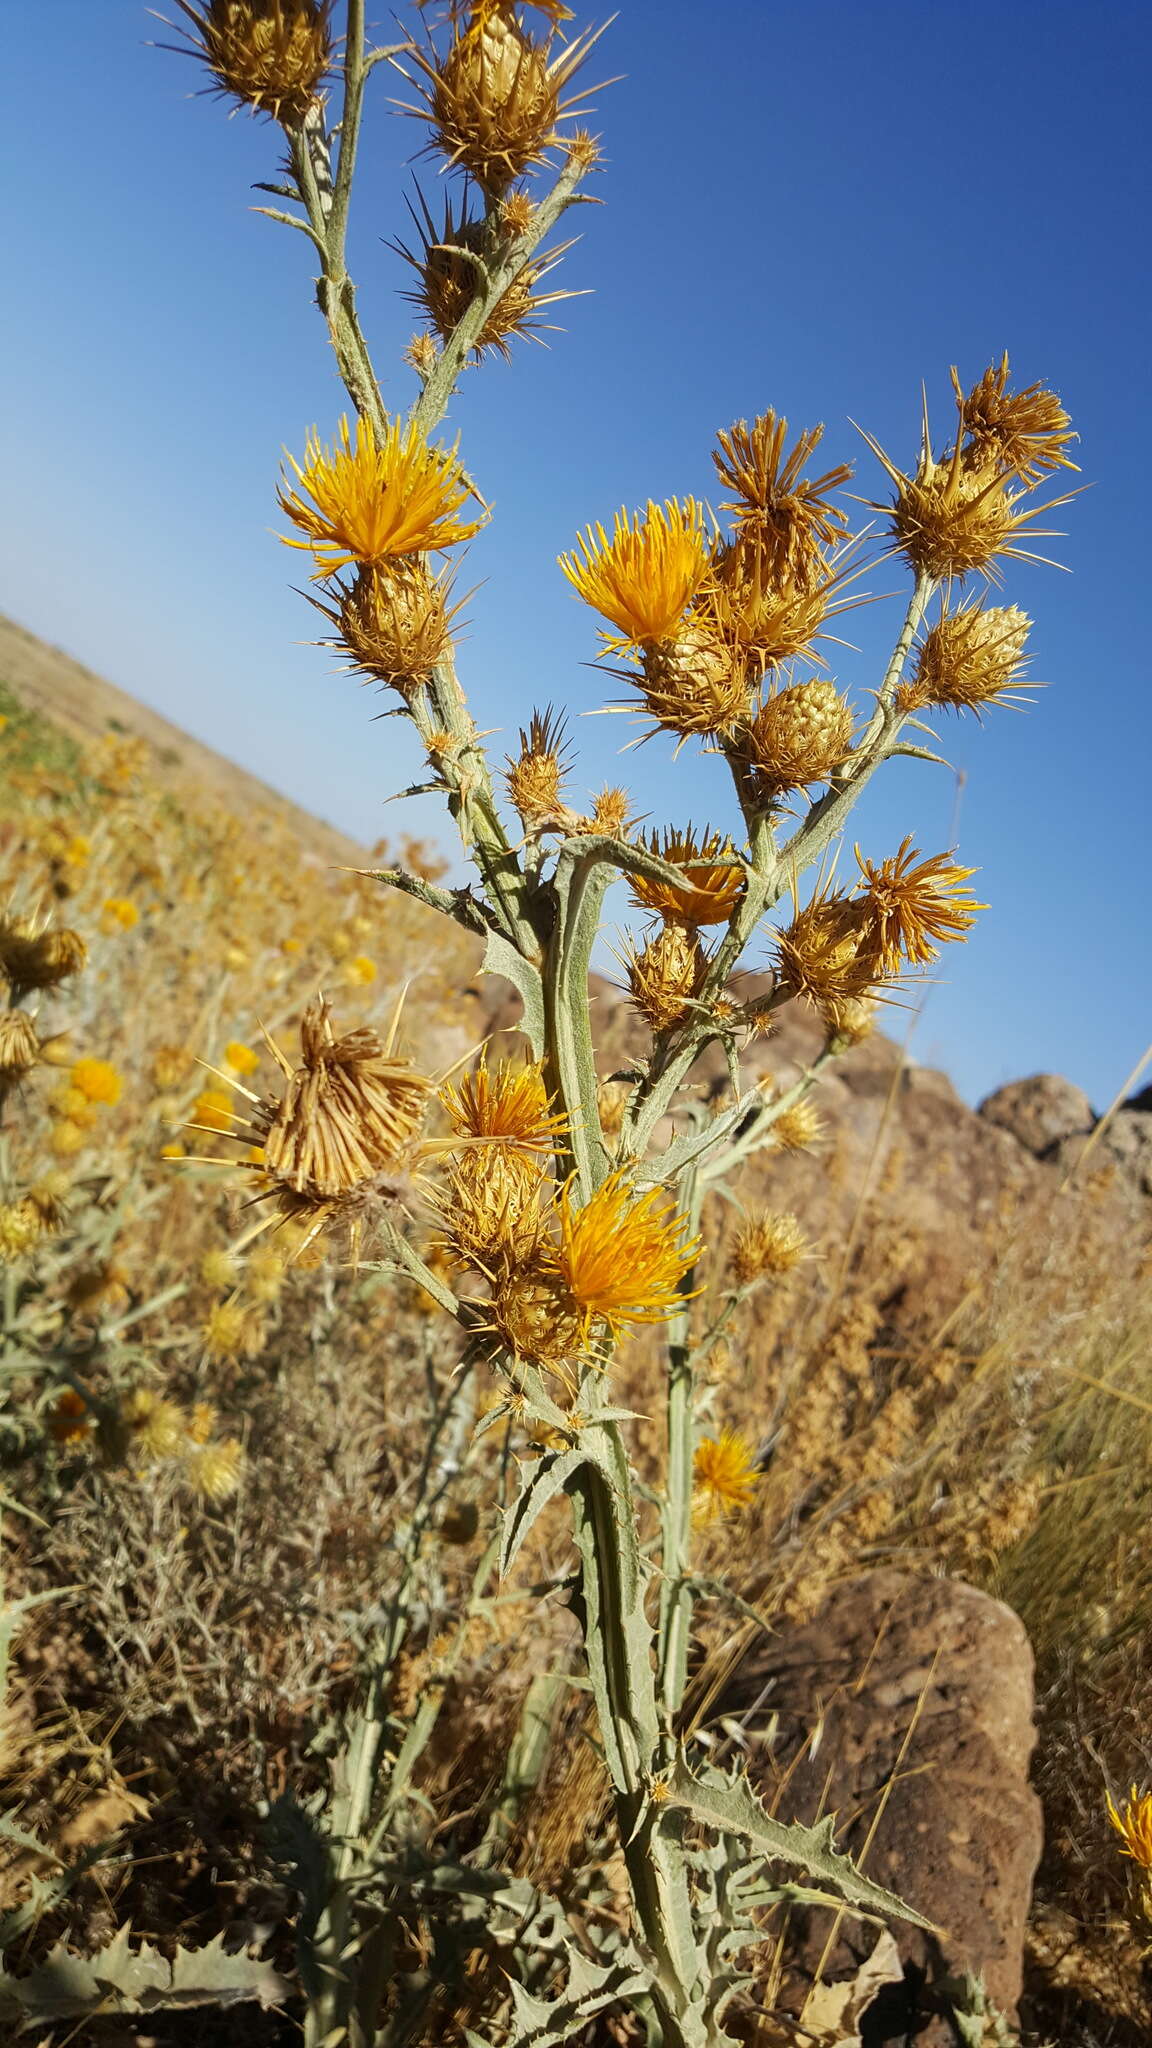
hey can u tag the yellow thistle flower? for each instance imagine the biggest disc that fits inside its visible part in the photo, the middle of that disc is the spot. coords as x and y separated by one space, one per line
264 1278
66 1138
645 577
1133 1824
913 910
268 55
375 501
767 1246
202 1422
506 1104
218 1268
724 1475
360 971
21 1226
242 1059
969 658
624 1255
212 1111
697 684
713 878
98 1081
1026 432
157 1428
173 1151
215 1471
494 1210
787 513
798 1128
232 1331
119 914
666 975
611 814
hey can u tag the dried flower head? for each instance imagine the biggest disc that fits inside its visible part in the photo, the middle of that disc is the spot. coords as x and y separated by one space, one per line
374 501
799 735
21 1227
231 1330
723 1475
1133 1823
969 658
494 1209
695 685
215 1471
393 625
156 1427
666 976
535 1316
449 262
624 1256
41 958
645 577
350 1112
269 55
495 99
612 1098
958 516
535 775
914 909
767 1246
786 514
1025 432
19 1046
849 1020
828 953
765 619
798 1127
611 814
505 1105
713 878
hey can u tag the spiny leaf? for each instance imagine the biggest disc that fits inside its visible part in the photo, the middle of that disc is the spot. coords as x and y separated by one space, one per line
545 1479
125 1979
501 957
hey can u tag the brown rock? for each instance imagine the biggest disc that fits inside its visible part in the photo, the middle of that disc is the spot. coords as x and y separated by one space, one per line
1039 1111
905 1707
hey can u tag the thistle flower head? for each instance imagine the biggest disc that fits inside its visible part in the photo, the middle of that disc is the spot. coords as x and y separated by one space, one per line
394 624
494 1209
695 685
767 619
827 954
767 1246
98 1081
611 814
849 1020
231 1330
495 99
787 515
269 55
21 1227
644 578
505 1105
1133 1823
798 1128
38 957
536 1317
723 1475
1026 432
535 775
448 262
914 906
374 501
19 1046
957 516
156 1427
215 1470
713 878
799 735
969 658
624 1256
350 1112
666 975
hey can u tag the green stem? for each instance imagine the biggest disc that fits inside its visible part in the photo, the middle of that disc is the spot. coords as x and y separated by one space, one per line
676 1519
578 893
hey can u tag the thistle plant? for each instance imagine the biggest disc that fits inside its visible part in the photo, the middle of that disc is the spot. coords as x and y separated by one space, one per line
549 1209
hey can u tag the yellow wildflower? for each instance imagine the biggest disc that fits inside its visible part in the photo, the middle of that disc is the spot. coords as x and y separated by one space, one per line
98 1081
374 501
215 1470
119 914
644 578
713 878
624 1255
724 1475
1133 1824
360 971
506 1104
241 1058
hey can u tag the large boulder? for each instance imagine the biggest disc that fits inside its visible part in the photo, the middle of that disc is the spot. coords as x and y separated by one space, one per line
1040 1111
905 1708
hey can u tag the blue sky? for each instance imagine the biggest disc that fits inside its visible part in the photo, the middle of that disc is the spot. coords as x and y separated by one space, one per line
810 208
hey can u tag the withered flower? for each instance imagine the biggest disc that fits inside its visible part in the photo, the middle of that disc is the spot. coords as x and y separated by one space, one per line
41 958
969 658
269 55
535 776
786 515
1025 432
828 952
534 1313
666 975
449 262
914 908
766 1246
393 624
